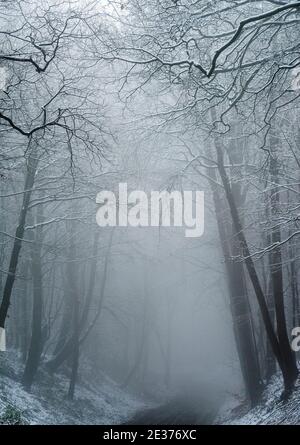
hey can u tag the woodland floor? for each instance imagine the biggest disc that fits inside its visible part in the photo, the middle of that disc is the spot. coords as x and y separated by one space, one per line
271 411
101 403
104 403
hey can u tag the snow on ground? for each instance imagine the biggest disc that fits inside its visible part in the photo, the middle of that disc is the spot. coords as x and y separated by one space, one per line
103 403
271 411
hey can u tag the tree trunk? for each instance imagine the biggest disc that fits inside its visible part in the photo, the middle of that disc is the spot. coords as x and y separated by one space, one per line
239 305
275 258
287 373
66 321
75 351
295 292
25 315
65 352
36 342
14 258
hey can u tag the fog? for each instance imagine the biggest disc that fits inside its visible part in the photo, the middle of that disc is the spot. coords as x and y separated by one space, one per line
173 97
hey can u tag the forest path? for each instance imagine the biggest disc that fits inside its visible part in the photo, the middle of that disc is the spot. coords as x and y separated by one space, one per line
177 411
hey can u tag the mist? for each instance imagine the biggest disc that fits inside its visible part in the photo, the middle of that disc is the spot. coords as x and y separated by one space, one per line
184 313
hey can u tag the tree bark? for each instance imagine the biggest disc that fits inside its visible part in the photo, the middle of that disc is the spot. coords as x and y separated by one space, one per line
36 342
75 350
287 373
275 258
239 305
14 258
